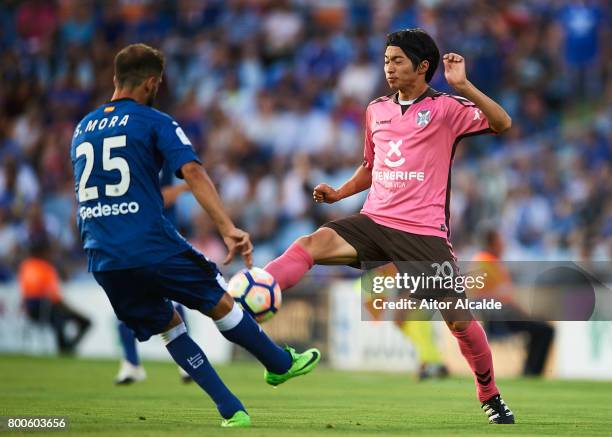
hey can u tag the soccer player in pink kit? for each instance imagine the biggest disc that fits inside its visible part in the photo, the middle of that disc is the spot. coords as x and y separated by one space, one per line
410 141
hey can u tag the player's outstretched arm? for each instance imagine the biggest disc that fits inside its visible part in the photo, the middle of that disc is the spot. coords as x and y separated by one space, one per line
454 72
236 240
361 180
171 193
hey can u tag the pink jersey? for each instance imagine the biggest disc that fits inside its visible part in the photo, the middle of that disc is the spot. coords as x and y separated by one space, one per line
411 155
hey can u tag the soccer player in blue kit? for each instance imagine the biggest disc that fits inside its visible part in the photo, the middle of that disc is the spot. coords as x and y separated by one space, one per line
136 254
131 369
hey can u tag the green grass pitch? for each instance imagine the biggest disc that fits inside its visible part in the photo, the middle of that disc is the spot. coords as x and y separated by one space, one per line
324 403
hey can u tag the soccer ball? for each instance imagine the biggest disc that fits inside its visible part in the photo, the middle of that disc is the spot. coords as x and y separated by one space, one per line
257 293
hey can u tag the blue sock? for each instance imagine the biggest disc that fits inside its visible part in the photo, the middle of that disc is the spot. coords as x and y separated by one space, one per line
128 343
240 328
190 357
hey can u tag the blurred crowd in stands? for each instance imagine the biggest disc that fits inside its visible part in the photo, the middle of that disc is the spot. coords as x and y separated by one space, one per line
272 94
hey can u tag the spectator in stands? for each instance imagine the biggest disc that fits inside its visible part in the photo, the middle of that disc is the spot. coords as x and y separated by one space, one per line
42 298
499 285
257 82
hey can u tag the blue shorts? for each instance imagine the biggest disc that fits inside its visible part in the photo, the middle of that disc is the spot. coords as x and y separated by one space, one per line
141 297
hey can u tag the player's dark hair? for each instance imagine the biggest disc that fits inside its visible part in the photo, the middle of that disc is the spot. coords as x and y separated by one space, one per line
418 46
136 63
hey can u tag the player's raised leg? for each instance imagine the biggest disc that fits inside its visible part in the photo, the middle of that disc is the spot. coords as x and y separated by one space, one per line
324 246
239 327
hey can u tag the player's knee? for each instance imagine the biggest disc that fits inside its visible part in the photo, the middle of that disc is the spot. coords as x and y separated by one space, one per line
175 321
308 243
320 240
223 307
458 325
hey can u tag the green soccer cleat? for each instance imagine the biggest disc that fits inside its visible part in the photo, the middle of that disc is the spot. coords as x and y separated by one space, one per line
240 419
301 364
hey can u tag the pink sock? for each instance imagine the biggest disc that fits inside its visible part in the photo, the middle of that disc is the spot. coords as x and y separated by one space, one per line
289 268
475 348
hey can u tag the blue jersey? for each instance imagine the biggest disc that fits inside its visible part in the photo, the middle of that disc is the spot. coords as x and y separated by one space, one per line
166 179
117 153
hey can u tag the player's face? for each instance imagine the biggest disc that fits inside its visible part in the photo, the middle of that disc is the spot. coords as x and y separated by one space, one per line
400 72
